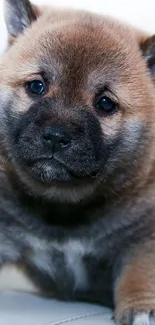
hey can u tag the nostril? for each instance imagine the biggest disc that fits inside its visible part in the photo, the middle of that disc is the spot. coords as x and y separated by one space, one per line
56 137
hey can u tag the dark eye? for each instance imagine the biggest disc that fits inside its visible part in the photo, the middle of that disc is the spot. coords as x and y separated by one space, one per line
106 104
36 87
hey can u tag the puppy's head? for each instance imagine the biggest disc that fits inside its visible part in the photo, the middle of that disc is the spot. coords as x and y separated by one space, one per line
77 101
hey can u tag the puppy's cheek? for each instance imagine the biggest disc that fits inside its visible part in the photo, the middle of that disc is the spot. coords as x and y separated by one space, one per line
5 98
133 129
128 127
111 125
21 101
14 100
129 130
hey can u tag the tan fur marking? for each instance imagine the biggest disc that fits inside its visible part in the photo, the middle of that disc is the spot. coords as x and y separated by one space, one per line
135 288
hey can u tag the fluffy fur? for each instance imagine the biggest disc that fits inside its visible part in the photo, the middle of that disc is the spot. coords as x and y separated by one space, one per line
80 221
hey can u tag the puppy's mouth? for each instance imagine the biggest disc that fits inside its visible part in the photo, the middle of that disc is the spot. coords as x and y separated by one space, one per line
50 169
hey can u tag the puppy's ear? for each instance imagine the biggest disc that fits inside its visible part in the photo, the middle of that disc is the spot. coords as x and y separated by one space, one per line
19 14
148 49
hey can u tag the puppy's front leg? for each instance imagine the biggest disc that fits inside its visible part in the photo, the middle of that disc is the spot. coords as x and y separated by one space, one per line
135 288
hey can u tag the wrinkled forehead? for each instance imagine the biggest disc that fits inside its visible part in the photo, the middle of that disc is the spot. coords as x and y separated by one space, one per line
83 49
87 51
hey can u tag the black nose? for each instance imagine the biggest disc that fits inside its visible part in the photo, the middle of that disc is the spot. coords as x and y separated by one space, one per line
56 138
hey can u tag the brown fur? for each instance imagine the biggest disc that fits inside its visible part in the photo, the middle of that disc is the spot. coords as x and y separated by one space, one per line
80 53
135 287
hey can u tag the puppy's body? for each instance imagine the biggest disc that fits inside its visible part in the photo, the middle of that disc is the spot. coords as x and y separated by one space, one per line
80 255
78 158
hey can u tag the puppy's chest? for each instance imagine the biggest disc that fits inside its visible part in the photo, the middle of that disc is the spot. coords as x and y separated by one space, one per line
70 269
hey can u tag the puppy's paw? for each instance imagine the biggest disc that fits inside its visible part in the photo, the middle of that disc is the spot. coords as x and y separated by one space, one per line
132 317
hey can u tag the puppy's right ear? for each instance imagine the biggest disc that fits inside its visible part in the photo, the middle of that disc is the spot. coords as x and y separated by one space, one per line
19 14
147 47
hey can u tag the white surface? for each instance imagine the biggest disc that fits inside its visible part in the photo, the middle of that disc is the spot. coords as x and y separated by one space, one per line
18 309
139 13
12 278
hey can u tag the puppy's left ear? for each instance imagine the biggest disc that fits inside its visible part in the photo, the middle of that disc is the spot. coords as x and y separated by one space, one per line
148 49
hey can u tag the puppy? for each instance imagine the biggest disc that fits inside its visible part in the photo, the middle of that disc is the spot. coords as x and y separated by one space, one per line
77 158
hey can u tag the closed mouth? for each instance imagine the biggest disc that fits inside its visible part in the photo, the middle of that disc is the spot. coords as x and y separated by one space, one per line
45 161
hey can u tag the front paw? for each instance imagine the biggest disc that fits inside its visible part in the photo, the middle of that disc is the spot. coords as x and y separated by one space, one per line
136 317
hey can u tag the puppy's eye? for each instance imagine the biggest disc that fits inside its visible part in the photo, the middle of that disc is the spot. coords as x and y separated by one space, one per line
36 87
106 104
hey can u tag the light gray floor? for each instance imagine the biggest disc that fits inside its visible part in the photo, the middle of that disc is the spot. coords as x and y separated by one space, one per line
26 309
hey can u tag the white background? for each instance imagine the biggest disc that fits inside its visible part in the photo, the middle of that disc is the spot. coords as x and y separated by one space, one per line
139 13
